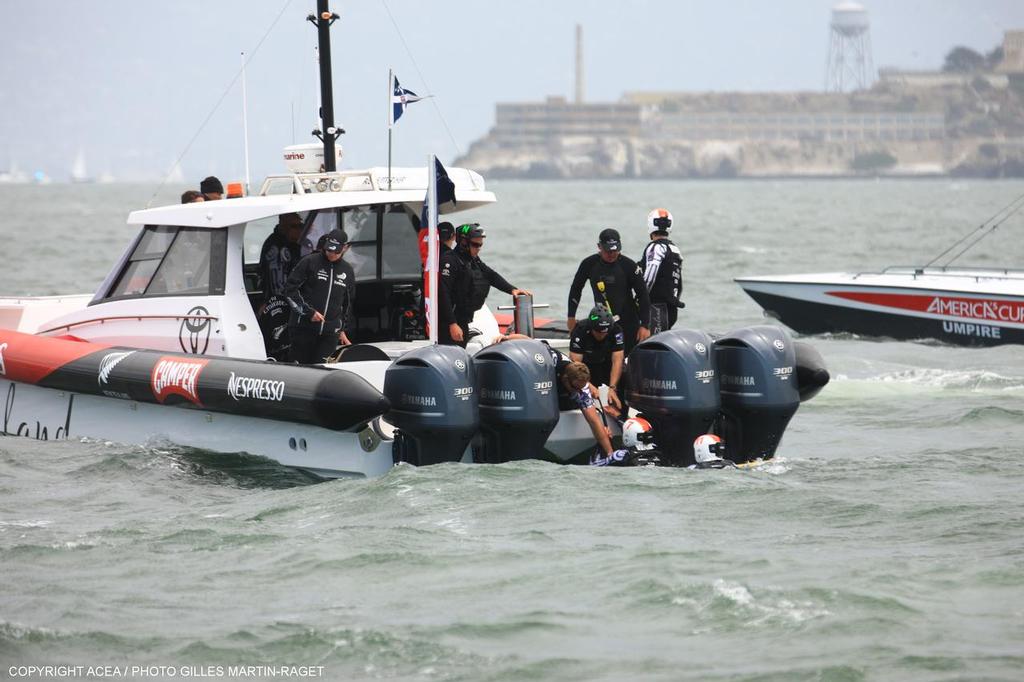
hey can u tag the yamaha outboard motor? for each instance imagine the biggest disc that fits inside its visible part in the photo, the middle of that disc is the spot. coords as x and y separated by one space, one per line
672 380
758 374
811 375
433 404
518 400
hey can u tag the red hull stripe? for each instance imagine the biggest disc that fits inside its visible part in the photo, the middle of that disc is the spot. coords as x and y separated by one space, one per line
29 358
990 310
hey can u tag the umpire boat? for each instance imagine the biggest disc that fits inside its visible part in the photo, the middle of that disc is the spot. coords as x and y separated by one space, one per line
169 347
968 306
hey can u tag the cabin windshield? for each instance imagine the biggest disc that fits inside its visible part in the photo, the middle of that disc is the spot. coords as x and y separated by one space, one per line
168 260
383 253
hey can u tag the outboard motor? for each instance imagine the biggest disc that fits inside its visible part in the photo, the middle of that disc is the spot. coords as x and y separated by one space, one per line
433 404
758 375
811 375
672 380
518 400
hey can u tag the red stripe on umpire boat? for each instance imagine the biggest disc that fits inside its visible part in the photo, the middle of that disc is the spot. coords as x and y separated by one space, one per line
29 358
993 310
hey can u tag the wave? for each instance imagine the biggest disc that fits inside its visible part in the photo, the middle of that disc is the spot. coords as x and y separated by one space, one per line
957 380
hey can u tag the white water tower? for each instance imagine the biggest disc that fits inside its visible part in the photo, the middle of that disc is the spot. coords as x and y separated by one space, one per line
849 64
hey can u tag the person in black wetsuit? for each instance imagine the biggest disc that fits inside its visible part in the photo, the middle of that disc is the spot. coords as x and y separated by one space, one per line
278 256
662 265
321 291
465 281
617 284
597 342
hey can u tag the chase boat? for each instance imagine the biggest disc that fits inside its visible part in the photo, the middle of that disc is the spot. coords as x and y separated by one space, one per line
169 348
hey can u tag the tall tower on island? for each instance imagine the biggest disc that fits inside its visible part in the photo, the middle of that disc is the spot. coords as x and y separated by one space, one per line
849 65
579 64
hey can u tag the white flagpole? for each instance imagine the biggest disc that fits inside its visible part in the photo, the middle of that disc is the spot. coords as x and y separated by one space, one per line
432 249
391 119
245 126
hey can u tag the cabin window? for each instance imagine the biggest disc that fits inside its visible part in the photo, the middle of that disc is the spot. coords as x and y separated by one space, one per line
174 261
382 239
400 253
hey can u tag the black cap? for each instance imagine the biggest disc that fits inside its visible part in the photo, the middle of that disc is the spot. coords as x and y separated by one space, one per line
335 240
471 231
445 231
609 240
211 185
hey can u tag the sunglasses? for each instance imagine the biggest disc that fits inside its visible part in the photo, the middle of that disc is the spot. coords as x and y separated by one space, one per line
477 245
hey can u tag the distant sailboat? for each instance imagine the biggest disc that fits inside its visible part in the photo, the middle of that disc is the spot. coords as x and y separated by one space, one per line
79 173
14 175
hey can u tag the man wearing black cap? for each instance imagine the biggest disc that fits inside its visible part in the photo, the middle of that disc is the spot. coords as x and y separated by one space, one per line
618 285
597 342
321 291
465 281
211 188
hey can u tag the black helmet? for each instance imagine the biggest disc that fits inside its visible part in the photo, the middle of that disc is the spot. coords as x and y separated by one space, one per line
470 231
600 318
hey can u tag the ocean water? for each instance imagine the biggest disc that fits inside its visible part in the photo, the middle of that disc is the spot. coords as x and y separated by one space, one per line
883 543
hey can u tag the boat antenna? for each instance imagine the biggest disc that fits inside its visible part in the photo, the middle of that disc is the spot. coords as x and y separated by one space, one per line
328 133
986 228
217 105
245 126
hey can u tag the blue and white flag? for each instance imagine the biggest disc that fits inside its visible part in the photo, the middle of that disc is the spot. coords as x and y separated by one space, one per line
400 99
440 190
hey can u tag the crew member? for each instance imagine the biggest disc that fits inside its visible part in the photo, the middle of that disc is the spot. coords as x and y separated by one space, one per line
597 342
707 453
662 265
190 196
617 284
211 188
278 256
321 293
574 392
468 281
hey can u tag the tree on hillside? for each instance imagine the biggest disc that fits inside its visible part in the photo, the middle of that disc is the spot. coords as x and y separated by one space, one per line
963 60
993 58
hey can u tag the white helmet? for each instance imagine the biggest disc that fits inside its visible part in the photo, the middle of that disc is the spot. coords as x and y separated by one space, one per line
659 220
708 448
635 432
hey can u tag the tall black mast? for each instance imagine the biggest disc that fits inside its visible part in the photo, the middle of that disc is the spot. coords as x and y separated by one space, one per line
328 133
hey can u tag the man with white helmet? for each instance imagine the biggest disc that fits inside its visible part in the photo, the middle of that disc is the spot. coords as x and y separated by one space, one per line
707 453
662 265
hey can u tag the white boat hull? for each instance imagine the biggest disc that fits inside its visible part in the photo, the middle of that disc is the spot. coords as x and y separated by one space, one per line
959 306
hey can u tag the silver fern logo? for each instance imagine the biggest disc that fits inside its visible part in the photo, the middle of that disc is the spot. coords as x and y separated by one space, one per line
107 365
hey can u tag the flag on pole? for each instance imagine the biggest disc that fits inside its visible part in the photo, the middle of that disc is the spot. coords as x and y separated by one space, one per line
440 189
400 99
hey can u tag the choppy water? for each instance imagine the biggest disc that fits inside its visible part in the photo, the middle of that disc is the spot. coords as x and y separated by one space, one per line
883 543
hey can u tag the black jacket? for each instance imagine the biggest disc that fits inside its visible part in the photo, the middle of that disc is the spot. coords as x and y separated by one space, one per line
624 289
277 258
466 281
662 265
316 283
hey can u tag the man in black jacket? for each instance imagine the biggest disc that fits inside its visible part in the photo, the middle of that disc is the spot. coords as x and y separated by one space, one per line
466 281
617 284
321 290
662 264
278 256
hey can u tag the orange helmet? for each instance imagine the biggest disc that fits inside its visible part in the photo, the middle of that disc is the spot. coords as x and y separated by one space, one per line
708 448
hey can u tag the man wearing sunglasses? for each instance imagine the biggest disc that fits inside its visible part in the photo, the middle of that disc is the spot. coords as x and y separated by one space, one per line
617 284
467 280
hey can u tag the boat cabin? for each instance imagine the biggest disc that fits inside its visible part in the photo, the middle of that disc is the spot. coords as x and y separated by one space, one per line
189 280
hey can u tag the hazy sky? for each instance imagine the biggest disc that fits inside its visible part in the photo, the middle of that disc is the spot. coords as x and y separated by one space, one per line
130 82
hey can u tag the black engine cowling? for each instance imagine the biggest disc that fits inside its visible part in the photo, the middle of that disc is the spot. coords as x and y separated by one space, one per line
760 391
518 400
673 382
433 404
